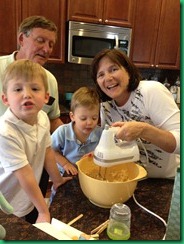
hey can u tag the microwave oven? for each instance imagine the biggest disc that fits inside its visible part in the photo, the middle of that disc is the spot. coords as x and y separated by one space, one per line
85 40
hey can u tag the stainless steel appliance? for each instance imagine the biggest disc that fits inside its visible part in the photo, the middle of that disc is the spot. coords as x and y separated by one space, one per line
85 40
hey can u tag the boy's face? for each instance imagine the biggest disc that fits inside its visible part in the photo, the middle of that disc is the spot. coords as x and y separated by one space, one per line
85 119
26 98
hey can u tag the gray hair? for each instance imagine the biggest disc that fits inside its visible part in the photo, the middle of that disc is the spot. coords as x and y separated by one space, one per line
36 22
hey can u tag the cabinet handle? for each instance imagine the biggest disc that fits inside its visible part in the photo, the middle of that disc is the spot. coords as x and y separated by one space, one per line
106 21
100 20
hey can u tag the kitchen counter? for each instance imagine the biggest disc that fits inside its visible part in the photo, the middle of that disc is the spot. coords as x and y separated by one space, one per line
69 202
154 194
19 229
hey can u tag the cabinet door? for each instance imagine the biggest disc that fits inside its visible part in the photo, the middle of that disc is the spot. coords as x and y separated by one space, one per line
110 12
55 11
9 19
119 12
85 10
168 44
145 30
156 34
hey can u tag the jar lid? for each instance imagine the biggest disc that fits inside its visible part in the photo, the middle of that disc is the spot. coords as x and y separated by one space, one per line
120 210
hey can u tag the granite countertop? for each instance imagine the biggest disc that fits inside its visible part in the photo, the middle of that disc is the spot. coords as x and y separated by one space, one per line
69 202
154 194
19 229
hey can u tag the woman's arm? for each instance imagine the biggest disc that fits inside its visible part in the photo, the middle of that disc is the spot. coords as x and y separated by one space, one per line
133 130
28 182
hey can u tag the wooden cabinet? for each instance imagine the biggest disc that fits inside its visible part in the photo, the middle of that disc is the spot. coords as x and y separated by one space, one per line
18 10
110 12
65 118
156 34
9 21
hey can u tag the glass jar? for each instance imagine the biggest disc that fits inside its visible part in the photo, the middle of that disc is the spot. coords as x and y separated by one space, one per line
119 222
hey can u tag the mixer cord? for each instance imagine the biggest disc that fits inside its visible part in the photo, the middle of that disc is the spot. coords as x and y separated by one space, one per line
147 210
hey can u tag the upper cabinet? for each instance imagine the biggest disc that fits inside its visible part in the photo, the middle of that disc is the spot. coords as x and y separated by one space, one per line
55 11
110 12
9 19
156 34
18 10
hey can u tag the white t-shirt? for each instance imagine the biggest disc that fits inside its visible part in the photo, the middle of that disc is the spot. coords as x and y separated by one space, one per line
152 103
21 144
51 108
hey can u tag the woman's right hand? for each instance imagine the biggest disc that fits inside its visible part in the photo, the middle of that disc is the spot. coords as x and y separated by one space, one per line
130 130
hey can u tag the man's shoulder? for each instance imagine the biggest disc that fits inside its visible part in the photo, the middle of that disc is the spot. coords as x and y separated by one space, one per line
50 76
5 61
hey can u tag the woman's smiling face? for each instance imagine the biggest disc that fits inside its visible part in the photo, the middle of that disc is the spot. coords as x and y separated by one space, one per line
113 80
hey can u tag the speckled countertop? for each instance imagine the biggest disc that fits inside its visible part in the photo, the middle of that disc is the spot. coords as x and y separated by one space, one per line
18 229
69 202
154 194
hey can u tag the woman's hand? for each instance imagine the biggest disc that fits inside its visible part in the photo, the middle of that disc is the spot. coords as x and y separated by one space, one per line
129 131
133 130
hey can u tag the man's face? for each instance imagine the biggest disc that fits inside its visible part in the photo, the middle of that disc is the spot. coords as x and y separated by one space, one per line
37 46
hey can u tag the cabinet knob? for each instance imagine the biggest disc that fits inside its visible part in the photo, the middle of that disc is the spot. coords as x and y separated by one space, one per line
106 21
100 20
152 65
156 65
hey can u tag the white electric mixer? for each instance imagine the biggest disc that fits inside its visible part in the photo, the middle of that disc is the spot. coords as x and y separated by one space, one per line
109 152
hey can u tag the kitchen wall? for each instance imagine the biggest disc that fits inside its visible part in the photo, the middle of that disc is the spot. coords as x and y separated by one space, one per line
72 76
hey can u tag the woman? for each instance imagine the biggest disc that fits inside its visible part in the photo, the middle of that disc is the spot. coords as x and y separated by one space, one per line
142 109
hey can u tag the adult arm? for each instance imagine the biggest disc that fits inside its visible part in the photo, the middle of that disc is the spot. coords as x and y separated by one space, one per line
163 130
132 130
54 124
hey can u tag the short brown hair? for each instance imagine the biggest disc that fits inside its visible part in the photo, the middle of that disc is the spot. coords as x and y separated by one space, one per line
36 22
23 68
85 96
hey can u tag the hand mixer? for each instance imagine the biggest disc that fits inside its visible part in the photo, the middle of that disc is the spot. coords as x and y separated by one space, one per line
109 152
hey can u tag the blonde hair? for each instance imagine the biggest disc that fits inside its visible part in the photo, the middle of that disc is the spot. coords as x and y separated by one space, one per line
85 96
26 69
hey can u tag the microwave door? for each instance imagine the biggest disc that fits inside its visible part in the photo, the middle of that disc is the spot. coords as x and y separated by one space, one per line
84 48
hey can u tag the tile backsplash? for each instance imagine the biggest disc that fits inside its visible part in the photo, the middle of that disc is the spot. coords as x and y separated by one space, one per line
72 76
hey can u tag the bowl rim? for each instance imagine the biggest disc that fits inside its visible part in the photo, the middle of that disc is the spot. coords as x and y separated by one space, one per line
141 168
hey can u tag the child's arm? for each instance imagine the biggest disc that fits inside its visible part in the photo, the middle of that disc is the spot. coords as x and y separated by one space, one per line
52 169
28 182
65 163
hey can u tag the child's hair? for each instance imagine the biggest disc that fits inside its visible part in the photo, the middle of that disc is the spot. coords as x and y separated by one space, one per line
85 96
25 69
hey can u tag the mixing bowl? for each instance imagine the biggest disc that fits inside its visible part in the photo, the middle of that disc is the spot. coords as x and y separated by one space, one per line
105 193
